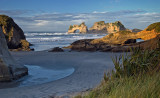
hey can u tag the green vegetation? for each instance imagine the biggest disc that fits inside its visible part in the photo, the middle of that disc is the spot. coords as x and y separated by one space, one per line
110 35
118 24
83 23
101 23
70 27
7 22
4 20
125 32
154 26
135 76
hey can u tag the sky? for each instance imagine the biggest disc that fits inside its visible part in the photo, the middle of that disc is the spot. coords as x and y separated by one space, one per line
58 15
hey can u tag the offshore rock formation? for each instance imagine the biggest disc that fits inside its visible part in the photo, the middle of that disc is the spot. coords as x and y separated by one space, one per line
98 27
9 68
82 28
103 27
13 33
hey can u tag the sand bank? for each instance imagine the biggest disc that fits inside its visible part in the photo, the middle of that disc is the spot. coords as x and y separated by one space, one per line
89 70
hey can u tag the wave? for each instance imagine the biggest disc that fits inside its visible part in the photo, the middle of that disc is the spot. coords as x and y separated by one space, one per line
46 40
43 34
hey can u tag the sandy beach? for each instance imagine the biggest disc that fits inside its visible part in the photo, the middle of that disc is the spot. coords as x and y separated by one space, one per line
89 70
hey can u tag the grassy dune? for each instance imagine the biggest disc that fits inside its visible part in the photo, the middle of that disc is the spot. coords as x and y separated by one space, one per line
135 76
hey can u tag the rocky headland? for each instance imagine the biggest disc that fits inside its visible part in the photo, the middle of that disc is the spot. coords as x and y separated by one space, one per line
98 27
121 40
14 34
10 69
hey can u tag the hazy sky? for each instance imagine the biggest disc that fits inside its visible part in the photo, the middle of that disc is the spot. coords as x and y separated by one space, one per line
57 15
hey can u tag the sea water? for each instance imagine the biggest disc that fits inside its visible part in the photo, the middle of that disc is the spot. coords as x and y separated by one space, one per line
47 40
39 75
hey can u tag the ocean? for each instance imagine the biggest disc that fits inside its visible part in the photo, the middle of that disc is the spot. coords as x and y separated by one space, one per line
47 40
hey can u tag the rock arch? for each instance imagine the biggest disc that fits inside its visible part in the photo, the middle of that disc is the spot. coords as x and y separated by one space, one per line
82 28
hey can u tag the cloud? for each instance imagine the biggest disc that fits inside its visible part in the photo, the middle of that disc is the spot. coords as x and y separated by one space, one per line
61 21
41 22
14 12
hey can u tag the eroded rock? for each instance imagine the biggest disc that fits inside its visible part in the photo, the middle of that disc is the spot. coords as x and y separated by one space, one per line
57 49
13 33
82 28
9 68
102 27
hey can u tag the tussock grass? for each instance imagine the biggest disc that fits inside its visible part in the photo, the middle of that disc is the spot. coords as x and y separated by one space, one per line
135 76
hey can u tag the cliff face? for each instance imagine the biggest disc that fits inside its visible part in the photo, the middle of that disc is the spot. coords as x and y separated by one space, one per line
82 28
10 69
13 33
107 27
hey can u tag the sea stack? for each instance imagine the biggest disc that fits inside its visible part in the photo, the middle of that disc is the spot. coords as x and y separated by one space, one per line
98 27
9 68
82 28
13 33
102 27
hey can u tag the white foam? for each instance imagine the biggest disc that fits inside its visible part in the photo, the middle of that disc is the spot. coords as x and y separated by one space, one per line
43 41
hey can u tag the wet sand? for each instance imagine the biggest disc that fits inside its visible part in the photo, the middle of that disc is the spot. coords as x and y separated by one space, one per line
89 69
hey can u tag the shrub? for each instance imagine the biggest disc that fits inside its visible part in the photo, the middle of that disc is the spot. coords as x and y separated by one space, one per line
139 63
70 27
101 23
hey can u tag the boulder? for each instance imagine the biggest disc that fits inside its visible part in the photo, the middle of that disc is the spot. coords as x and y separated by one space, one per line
57 49
13 33
129 41
9 68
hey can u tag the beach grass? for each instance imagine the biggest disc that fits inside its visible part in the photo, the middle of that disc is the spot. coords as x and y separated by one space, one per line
135 76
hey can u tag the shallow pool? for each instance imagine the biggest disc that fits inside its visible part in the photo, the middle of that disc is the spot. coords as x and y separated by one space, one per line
139 40
39 75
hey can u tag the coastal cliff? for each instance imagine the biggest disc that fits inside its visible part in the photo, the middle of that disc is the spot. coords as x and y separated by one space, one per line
13 33
10 69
